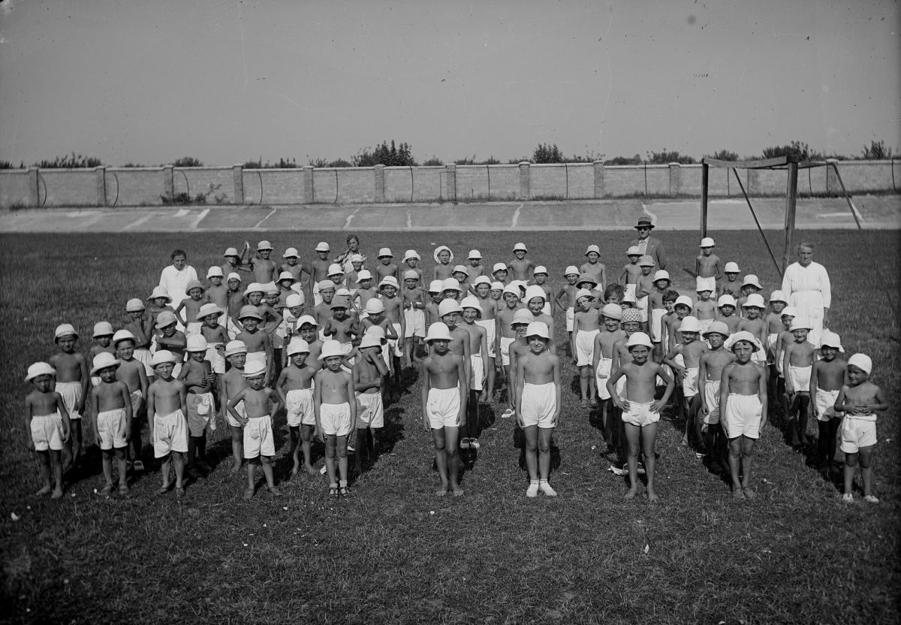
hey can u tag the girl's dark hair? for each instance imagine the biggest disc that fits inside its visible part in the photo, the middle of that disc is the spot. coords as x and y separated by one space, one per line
178 253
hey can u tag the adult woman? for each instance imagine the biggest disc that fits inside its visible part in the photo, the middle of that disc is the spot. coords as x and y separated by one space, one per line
807 288
176 276
353 248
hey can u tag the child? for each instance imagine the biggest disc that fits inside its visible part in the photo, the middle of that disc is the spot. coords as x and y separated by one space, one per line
731 285
369 372
586 326
657 307
645 285
596 270
707 267
443 257
256 421
47 423
159 301
263 267
217 292
475 269
539 278
859 399
365 291
342 327
462 277
685 359
505 336
295 390
112 427
450 312
538 406
235 302
826 380
320 266
72 379
215 335
444 395
565 300
602 360
629 277
191 306
411 260
478 359
257 342
166 410
797 362
414 315
710 372
451 289
141 328
725 307
488 321
774 321
385 267
388 288
234 262
233 382
671 322
352 274
336 410
749 286
705 308
197 376
499 273
103 342
520 267
743 409
754 323
535 299
170 338
640 411
132 373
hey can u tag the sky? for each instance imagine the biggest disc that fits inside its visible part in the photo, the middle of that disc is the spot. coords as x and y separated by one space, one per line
226 81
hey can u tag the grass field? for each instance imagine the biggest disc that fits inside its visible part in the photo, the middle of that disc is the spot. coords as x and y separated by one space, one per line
393 552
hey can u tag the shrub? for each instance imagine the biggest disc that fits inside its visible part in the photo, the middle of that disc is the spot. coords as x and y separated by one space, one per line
796 150
472 161
665 157
876 151
624 160
433 161
187 161
547 153
72 161
393 155
724 155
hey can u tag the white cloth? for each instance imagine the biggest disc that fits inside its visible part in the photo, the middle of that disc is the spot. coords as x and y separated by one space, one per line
443 407
601 374
712 397
858 431
809 291
258 438
71 393
299 407
47 432
414 321
175 282
570 318
538 405
170 433
335 419
371 410
742 416
825 405
490 333
111 426
640 414
585 347
477 372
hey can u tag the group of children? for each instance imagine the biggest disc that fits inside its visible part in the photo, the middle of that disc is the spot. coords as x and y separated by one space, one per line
239 357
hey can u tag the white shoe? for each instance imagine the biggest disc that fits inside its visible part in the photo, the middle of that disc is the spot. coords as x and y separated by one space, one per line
617 470
509 412
545 488
532 490
464 443
848 498
871 499
474 443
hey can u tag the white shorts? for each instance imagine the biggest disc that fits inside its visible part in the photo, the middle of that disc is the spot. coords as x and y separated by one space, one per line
477 372
656 328
800 377
642 306
825 405
398 343
193 327
538 405
570 318
258 438
71 393
601 375
335 419
255 357
771 341
143 356
137 401
241 410
111 426
706 284
705 325
690 382
640 414
414 318
170 433
585 347
47 432
742 416
759 357
858 431
200 410
712 398
215 358
443 407
370 411
299 407
505 343
490 334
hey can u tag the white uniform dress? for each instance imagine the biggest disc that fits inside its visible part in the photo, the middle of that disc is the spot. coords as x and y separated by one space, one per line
809 291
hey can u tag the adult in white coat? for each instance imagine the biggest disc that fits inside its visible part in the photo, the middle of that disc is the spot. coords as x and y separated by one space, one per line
807 288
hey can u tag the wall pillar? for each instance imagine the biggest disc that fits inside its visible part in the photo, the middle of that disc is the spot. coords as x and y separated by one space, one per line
598 179
168 181
524 181
379 179
100 173
34 189
450 181
238 177
307 196
675 179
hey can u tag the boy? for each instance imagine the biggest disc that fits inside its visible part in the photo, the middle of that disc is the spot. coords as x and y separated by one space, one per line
295 390
743 409
141 328
645 285
538 406
826 380
499 273
394 313
640 411
629 277
47 423
411 260
263 267
731 285
385 267
166 410
159 302
725 306
749 286
505 336
191 306
198 378
536 298
341 327
217 292
235 302
478 349
414 315
233 382
705 308
586 326
112 426
72 379
754 323
320 266
565 300
797 362
170 338
710 372
602 360
257 424
488 321
859 399
443 257
707 267
684 359
364 291
215 335
444 395
539 278
369 372
671 323
335 408
132 373
520 267
593 268
475 269
257 342
657 307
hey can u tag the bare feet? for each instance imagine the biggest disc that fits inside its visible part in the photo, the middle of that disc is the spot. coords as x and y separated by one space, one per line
57 493
441 492
274 491
164 489
652 497
179 491
737 493
630 494
248 493
107 490
123 489
236 467
294 471
44 491
310 470
749 493
458 492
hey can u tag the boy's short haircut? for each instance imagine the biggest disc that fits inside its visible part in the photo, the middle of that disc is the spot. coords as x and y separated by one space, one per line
671 295
178 252
614 290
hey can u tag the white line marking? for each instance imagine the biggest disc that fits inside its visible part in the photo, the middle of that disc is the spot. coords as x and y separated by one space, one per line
515 221
651 215
199 218
856 212
409 220
182 212
271 213
833 215
350 218
139 222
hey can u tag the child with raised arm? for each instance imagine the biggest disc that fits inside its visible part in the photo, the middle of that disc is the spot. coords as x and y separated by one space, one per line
112 426
198 377
478 359
859 399
743 409
47 423
166 411
707 267
710 372
444 395
233 382
826 380
538 406
414 315
369 372
141 328
593 268
255 419
295 390
336 411
640 411
72 380
797 363
586 325
520 267
132 373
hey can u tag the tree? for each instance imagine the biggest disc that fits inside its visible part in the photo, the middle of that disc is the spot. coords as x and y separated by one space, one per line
876 151
624 160
796 150
72 161
187 161
395 155
665 157
724 155
547 153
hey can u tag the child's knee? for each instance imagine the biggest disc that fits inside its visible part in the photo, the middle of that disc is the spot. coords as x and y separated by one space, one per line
866 460
266 460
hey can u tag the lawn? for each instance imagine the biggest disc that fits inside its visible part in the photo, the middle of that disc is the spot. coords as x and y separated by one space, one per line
395 553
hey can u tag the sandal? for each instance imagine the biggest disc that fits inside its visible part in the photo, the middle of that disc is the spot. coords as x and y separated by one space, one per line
344 491
332 491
